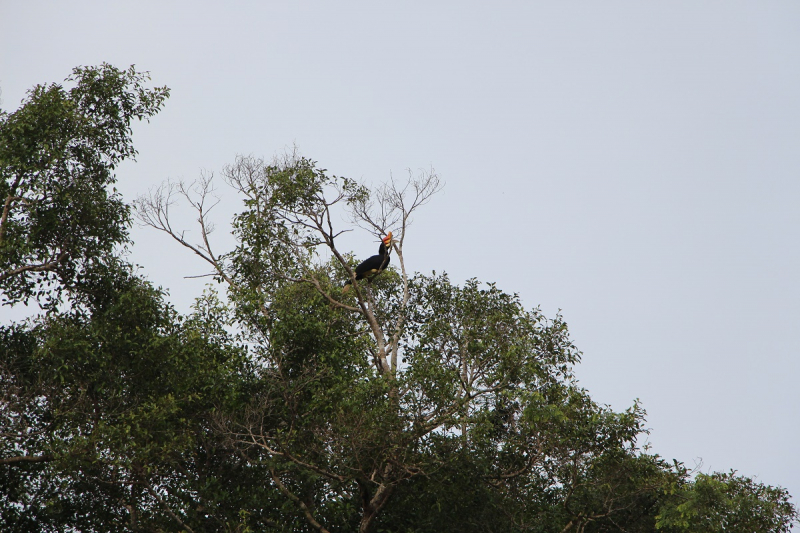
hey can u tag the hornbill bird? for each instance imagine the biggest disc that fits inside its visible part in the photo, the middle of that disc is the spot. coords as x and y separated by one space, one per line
373 266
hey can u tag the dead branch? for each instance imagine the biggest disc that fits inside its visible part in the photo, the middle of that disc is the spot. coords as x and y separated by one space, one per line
154 210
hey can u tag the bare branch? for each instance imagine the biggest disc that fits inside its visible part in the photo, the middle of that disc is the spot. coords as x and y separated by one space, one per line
391 209
154 210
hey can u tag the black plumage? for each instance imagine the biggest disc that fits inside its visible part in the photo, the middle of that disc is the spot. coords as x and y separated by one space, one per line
374 265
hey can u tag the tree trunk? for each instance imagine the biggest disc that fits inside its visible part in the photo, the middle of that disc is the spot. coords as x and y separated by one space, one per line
372 506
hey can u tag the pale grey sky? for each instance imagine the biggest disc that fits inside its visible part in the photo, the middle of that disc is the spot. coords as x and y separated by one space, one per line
636 165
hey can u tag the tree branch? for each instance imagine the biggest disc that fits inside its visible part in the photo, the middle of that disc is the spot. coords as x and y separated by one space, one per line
42 267
12 191
163 504
300 503
26 459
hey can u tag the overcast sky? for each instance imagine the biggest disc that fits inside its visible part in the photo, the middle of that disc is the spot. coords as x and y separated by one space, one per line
634 164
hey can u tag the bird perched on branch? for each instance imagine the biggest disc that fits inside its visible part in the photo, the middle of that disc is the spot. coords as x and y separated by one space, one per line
373 266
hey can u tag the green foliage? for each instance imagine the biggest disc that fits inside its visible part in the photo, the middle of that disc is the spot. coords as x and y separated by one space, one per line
726 502
410 404
284 205
121 396
58 152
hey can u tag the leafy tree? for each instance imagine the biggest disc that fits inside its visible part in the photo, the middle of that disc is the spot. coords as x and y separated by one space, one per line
107 410
409 404
58 153
726 502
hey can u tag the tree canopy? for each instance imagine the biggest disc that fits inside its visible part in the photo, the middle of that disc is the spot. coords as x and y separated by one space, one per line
58 153
281 402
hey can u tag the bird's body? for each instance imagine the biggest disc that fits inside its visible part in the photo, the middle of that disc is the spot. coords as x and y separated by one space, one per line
371 267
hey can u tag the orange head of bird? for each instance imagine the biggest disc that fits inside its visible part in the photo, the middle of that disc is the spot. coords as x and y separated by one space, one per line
387 241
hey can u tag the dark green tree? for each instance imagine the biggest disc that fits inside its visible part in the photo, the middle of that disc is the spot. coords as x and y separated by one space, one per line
58 153
725 502
409 404
107 414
